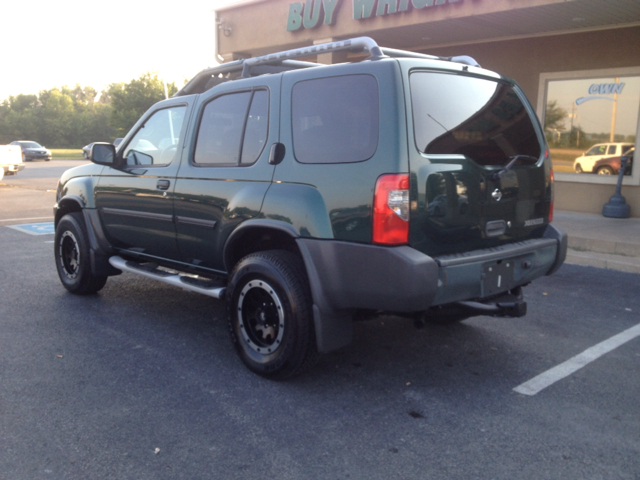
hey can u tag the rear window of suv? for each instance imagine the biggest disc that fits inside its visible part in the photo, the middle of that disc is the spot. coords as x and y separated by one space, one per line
484 120
335 119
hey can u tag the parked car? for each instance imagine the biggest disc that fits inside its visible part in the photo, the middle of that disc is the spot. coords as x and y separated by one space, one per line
611 165
32 150
585 162
10 160
86 150
301 194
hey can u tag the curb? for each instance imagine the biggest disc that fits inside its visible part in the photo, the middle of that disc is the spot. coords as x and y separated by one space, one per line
609 261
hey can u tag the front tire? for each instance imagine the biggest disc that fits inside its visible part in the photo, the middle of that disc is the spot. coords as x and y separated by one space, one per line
606 170
578 168
270 314
73 260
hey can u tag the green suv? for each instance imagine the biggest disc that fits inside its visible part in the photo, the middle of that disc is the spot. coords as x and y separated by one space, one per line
309 195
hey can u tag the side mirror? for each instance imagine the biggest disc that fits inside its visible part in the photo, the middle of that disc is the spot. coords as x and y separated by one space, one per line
103 154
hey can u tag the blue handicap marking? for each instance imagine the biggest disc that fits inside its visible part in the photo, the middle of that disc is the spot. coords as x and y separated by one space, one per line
45 228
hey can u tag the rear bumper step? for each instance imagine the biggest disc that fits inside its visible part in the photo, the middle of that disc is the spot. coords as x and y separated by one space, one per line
194 284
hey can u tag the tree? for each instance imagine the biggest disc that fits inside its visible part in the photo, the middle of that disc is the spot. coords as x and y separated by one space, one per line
70 117
130 100
554 116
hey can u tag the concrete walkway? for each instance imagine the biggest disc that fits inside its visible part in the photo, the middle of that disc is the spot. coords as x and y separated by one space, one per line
597 241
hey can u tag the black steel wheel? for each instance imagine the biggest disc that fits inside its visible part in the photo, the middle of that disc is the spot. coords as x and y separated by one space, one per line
72 256
270 314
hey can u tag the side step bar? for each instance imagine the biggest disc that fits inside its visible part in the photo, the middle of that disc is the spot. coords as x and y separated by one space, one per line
206 287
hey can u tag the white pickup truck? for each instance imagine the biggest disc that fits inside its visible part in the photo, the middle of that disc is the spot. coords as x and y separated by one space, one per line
10 160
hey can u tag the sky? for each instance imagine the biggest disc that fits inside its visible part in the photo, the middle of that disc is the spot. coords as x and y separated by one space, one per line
46 44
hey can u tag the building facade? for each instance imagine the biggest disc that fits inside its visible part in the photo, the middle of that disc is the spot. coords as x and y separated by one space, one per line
578 61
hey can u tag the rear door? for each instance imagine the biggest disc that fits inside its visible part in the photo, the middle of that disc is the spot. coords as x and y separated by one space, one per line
480 172
224 178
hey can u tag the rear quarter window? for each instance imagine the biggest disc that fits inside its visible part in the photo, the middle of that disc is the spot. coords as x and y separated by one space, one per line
335 119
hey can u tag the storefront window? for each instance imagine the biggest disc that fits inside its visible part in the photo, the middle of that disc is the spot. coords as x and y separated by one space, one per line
590 122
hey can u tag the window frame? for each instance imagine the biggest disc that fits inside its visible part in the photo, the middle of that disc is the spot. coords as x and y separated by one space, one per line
181 139
252 91
545 78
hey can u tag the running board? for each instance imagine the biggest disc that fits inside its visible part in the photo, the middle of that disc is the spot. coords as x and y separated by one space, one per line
206 287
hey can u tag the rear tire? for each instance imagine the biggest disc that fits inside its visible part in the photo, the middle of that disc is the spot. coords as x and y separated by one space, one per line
270 315
73 260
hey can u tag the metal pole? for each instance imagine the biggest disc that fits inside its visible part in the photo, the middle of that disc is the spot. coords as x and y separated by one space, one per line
617 206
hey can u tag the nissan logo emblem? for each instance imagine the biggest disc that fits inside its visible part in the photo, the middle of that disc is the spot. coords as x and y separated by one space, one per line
497 195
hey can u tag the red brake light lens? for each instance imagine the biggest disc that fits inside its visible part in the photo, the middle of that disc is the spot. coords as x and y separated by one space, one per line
391 210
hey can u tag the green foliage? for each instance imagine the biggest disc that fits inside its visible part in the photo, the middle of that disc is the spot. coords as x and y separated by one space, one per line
73 117
554 116
130 100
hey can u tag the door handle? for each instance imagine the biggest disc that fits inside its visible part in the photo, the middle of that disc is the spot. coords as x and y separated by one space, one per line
163 184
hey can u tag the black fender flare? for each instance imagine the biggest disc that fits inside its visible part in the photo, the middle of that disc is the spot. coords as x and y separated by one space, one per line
333 329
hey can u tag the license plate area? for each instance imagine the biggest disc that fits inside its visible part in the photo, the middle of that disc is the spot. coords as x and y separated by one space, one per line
497 277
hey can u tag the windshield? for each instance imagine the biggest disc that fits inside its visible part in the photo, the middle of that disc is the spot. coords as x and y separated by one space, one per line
30 145
484 120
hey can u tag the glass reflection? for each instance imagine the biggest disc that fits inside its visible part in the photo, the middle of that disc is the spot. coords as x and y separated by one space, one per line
590 123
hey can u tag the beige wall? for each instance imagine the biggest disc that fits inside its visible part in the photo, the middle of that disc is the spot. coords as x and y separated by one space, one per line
261 27
524 59
589 198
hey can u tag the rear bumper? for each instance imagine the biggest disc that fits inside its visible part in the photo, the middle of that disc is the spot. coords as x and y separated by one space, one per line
14 168
36 156
401 279
347 276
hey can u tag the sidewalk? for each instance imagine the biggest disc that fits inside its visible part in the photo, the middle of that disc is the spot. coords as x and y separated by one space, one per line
597 241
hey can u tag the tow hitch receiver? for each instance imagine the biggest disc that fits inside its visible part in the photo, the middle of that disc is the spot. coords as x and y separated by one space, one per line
509 304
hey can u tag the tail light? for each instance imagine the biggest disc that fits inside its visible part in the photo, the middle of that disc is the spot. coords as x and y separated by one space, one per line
391 210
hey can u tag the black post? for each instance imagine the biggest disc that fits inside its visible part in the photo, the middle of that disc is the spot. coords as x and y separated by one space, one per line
617 206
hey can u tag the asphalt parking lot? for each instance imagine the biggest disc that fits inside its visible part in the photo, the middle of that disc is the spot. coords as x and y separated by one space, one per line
141 381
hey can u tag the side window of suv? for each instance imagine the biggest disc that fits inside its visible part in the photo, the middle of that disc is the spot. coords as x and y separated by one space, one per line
157 140
233 129
335 119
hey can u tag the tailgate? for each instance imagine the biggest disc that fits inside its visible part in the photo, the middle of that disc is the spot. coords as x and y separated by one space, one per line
482 176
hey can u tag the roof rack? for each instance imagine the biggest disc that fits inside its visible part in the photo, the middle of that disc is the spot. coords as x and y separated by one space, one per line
283 61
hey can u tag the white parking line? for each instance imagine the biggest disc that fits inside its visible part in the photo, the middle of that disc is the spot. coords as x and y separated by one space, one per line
574 364
24 219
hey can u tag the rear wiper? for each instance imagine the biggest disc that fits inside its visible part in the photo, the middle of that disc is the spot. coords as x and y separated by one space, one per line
513 160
